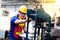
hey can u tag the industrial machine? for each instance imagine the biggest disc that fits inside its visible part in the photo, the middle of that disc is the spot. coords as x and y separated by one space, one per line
40 16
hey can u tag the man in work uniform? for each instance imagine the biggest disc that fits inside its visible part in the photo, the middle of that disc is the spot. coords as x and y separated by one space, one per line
18 23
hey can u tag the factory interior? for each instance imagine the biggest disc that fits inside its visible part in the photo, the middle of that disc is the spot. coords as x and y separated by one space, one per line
42 23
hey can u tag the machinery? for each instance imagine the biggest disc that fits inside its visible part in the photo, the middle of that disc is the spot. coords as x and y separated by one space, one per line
40 16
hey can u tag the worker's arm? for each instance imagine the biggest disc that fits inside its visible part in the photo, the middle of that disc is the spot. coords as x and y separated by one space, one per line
19 21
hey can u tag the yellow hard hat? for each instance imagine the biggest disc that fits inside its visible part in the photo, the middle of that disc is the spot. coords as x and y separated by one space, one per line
23 9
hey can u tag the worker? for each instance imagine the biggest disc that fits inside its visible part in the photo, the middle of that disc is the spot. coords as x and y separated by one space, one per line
18 23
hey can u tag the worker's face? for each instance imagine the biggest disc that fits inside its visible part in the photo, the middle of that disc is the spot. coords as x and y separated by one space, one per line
22 14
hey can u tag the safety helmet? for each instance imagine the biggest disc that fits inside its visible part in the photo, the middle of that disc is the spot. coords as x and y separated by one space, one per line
22 9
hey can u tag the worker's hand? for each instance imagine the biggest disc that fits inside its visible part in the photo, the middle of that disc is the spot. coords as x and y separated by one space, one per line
30 19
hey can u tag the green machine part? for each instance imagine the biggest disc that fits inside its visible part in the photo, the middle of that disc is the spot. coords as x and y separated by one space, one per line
42 17
41 14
